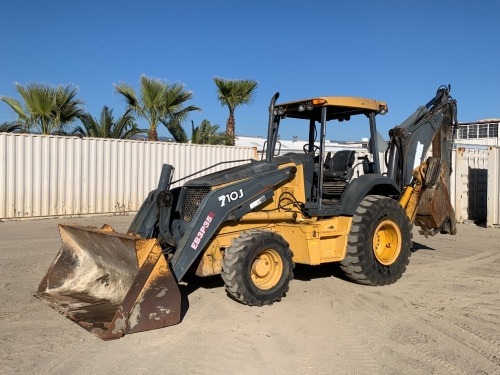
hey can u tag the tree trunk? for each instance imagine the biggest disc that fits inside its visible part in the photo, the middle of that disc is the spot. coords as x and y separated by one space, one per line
230 128
152 134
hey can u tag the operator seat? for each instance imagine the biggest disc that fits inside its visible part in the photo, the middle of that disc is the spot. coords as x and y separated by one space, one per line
337 173
339 166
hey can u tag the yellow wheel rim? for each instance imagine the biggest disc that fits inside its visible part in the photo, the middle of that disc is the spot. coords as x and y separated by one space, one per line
267 269
387 242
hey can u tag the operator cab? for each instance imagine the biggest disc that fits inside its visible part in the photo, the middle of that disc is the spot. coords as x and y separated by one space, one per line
330 174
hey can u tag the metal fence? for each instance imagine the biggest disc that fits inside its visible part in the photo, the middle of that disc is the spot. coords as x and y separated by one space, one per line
493 193
475 185
51 175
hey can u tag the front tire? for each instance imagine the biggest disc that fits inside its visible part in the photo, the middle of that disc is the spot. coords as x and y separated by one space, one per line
379 243
257 268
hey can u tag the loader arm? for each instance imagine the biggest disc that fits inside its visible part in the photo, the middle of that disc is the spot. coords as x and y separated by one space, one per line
219 206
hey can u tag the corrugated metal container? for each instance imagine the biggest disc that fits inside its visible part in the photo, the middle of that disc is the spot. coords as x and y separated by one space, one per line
493 215
478 142
51 175
470 184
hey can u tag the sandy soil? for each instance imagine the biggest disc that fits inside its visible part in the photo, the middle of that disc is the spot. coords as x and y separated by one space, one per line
442 317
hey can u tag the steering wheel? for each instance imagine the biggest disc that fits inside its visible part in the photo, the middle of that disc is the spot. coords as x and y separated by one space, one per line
315 149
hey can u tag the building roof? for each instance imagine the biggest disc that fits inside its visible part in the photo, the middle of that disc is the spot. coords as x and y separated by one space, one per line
298 145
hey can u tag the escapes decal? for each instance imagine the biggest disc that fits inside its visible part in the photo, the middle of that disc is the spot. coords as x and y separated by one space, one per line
202 230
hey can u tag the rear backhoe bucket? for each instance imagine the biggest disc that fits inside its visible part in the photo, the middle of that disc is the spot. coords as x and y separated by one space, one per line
111 284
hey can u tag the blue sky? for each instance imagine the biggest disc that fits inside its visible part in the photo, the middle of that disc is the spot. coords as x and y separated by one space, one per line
396 51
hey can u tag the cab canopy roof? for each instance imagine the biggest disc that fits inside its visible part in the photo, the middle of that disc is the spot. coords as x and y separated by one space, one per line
338 108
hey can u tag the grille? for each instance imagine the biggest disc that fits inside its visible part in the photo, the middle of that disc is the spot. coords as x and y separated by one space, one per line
192 200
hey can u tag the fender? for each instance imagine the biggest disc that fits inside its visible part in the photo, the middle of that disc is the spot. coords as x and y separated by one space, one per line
364 185
228 203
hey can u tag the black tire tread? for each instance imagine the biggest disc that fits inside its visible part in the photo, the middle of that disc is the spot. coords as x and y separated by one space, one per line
358 264
234 255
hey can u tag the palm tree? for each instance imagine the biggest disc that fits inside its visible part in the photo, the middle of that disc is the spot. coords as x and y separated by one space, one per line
159 102
208 134
106 126
233 93
46 109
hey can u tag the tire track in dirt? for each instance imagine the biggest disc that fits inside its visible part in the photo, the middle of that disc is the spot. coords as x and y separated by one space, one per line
391 318
426 347
247 332
347 344
425 336
341 348
486 257
463 331
49 346
440 318
452 326
395 316
68 358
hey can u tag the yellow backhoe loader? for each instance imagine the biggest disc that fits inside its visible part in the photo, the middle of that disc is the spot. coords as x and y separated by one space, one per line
254 222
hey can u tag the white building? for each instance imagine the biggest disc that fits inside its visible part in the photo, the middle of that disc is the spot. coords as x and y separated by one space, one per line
480 133
296 145
483 132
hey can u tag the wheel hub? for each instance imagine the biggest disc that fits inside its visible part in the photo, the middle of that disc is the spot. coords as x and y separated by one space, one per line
267 269
387 242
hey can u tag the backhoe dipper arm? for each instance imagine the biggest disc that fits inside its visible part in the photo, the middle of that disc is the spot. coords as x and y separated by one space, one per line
219 206
411 140
425 182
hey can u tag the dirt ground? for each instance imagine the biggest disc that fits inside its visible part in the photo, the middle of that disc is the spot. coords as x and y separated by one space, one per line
442 317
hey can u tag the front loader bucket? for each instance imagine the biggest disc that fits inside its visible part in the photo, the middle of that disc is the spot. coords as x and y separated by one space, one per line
111 284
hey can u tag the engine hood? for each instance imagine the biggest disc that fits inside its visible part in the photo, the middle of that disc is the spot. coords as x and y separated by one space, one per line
249 170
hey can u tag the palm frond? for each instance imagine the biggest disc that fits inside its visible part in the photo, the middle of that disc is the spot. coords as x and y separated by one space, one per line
16 106
207 133
133 131
106 127
153 93
159 102
79 130
128 93
67 107
46 108
235 92
11 127
176 130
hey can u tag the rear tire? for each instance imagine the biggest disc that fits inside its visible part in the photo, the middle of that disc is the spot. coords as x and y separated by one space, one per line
257 268
379 243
